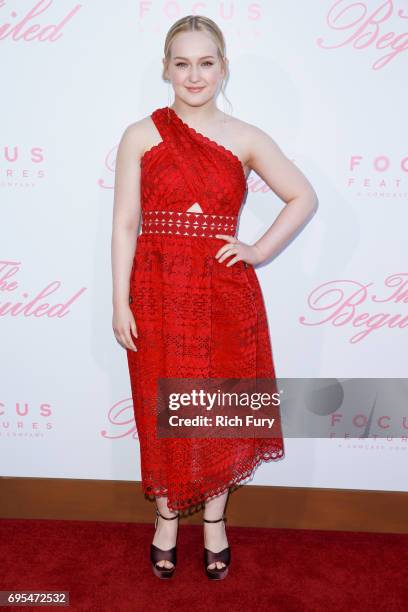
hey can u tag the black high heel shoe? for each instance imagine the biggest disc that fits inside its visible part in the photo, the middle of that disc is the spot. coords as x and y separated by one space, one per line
224 556
157 554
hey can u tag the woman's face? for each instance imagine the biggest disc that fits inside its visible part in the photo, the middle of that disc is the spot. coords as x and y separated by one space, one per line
194 69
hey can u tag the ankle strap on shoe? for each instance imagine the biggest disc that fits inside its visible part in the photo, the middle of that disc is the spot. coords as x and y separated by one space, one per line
168 518
223 518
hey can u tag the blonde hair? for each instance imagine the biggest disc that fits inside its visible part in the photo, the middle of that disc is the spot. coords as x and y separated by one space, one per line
197 23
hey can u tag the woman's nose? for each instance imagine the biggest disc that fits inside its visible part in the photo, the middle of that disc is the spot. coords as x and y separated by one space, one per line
194 75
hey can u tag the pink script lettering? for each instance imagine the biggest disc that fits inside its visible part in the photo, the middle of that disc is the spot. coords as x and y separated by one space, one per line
340 303
36 306
364 27
28 31
121 415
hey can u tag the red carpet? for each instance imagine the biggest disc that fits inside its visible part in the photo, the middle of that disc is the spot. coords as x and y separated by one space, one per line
104 566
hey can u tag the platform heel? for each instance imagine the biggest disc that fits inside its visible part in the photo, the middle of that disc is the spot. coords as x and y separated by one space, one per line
157 554
224 556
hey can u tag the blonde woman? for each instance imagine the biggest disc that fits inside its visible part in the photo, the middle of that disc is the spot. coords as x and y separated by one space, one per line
186 299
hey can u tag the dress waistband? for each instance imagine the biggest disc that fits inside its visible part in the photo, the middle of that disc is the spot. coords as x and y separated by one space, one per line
187 223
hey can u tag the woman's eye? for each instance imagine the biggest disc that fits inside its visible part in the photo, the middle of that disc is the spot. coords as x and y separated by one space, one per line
184 64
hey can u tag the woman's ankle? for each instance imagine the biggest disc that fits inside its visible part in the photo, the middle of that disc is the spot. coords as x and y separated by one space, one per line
215 536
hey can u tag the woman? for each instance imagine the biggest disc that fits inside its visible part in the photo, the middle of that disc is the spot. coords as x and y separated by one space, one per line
186 299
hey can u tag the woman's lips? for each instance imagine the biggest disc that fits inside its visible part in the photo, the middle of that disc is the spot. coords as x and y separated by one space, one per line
195 89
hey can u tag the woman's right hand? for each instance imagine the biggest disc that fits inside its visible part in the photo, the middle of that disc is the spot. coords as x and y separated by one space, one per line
123 323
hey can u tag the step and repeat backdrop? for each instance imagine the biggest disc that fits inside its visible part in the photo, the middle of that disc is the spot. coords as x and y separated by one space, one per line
327 81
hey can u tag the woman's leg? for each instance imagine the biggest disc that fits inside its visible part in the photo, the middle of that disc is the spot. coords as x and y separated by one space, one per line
215 537
166 533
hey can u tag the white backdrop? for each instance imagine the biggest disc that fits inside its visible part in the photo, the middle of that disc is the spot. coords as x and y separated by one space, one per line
327 80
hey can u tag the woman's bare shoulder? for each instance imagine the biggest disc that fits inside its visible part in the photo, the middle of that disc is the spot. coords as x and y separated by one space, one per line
249 131
136 134
247 138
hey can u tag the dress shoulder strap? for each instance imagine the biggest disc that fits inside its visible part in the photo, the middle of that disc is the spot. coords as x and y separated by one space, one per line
162 120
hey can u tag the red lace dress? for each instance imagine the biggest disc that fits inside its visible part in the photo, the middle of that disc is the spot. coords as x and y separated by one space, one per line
195 317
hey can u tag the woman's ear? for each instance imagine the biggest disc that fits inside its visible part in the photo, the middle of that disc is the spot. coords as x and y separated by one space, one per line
225 68
165 77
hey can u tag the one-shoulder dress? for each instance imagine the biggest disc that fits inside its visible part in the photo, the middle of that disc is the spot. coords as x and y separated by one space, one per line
195 317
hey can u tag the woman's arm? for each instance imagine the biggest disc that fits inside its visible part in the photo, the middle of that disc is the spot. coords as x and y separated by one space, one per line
287 181
289 184
126 216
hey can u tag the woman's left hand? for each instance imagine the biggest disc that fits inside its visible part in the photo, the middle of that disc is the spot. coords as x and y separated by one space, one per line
248 253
